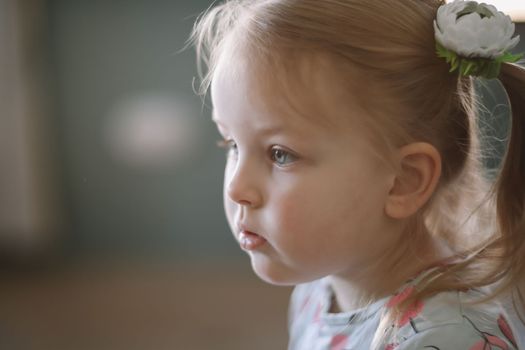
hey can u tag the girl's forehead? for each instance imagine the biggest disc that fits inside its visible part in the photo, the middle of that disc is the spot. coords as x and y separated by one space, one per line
299 85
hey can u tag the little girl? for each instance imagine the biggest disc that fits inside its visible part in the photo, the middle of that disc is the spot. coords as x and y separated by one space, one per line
355 167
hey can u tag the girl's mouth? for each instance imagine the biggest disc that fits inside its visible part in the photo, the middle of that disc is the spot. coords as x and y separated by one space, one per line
250 241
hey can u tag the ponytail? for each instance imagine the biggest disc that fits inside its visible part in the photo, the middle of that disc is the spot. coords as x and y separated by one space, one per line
510 185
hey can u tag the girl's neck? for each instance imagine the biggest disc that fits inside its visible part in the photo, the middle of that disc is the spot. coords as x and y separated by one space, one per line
354 290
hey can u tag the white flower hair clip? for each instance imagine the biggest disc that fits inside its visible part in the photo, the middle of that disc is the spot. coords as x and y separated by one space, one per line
474 38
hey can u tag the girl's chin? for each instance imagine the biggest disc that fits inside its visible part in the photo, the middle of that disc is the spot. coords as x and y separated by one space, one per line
275 273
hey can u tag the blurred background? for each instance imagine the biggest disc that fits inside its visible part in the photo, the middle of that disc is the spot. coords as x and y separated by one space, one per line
112 233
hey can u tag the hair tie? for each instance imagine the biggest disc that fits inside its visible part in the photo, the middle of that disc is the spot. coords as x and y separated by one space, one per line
474 38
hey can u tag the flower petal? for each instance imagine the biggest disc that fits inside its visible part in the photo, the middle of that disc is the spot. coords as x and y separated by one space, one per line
474 34
480 345
338 342
400 297
493 340
505 329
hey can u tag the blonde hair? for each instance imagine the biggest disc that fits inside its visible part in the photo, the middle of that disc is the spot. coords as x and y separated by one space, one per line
391 43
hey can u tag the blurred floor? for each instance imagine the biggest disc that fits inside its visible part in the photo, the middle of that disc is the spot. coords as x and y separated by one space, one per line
142 306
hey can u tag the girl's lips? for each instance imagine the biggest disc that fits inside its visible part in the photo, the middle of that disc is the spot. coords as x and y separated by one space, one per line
250 241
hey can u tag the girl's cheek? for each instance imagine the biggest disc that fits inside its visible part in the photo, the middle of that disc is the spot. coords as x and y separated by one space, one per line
286 214
229 205
228 172
229 209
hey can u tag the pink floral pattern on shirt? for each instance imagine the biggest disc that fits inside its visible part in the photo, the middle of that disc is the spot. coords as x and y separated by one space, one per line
480 333
338 342
412 311
505 329
487 342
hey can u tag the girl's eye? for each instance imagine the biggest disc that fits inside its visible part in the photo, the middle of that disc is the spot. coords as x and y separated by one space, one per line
282 157
278 155
228 145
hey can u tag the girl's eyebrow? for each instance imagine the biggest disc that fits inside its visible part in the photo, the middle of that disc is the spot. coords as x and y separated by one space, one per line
263 131
266 130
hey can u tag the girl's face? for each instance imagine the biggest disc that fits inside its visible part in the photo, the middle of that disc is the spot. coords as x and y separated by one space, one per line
304 200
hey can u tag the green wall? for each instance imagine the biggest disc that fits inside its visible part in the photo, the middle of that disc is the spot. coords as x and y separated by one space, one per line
106 52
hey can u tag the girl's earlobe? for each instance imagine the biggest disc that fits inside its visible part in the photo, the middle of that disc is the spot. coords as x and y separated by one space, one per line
417 178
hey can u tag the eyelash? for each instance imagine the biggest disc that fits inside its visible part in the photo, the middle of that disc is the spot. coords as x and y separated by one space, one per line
230 145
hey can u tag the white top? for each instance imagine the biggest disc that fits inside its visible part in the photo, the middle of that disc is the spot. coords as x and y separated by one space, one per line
445 321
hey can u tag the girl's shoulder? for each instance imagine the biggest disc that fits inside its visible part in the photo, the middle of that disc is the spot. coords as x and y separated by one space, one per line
453 320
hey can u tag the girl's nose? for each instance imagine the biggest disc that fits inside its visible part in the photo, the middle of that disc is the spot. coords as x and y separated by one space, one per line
242 184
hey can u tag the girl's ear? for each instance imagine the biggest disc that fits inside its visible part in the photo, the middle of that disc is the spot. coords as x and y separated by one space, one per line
419 170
